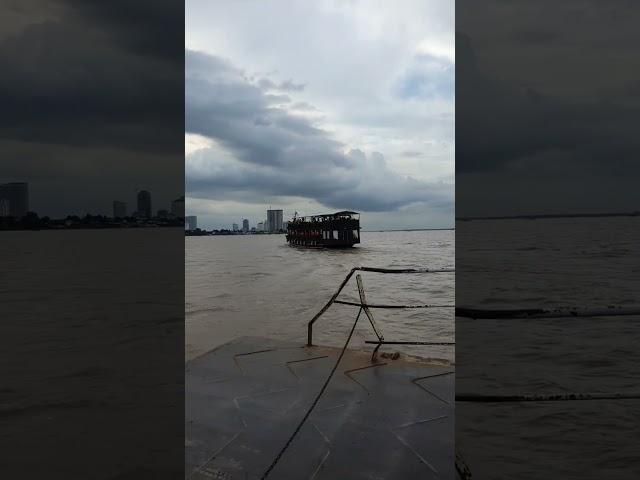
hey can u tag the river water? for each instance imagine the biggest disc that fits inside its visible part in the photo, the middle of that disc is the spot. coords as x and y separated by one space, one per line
564 262
86 302
260 286
92 348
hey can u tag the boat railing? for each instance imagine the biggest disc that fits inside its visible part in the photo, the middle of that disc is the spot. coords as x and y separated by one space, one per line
366 307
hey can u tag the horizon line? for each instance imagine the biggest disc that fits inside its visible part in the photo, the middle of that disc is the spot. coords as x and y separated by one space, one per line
634 213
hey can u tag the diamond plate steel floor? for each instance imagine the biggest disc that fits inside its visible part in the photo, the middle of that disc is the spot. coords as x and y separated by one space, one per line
390 420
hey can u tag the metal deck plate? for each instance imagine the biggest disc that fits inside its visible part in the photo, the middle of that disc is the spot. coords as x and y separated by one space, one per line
390 420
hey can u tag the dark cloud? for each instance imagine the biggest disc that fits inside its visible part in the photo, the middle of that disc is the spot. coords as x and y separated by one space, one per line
87 80
93 90
504 124
535 36
273 152
290 86
546 107
152 28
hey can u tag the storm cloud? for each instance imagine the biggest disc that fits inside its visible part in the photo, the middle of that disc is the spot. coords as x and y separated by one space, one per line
87 78
262 149
546 114
505 123
314 110
92 101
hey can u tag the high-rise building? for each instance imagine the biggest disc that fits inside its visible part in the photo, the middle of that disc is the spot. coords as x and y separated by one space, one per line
14 199
119 209
235 227
191 222
245 225
274 219
177 207
260 227
144 204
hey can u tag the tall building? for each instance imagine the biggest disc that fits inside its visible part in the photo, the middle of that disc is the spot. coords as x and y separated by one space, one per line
14 199
177 207
274 219
119 209
235 227
144 203
260 227
191 222
245 225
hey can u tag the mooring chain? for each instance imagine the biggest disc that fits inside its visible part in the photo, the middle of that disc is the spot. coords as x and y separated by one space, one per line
315 402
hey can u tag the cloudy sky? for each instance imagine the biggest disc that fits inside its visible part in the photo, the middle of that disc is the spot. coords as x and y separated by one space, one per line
92 102
547 107
320 106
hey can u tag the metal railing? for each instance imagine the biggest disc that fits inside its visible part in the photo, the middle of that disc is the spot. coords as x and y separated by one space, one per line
366 307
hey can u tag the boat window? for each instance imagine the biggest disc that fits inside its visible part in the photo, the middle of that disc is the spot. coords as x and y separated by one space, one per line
335 234
355 234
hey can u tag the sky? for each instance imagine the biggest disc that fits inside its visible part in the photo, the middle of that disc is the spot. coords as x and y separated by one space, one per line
547 107
314 107
92 102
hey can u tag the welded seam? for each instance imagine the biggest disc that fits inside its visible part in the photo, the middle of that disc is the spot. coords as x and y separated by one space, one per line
302 360
348 373
422 387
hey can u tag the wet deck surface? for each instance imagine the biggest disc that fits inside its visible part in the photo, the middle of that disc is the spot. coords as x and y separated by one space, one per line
390 420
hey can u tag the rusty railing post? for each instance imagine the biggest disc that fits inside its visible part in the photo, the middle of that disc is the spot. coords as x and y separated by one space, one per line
365 307
363 303
326 307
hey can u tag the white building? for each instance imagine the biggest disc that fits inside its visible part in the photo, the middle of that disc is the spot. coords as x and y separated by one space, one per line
274 220
191 222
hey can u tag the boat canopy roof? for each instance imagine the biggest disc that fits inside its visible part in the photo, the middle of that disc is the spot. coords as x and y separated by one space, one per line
341 214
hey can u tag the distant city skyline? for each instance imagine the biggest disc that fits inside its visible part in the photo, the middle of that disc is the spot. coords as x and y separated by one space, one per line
81 133
15 202
369 221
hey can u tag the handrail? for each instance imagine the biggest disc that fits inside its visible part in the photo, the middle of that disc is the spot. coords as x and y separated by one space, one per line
541 313
373 305
363 304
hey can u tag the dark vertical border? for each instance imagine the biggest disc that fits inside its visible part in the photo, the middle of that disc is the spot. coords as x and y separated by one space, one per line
92 324
547 239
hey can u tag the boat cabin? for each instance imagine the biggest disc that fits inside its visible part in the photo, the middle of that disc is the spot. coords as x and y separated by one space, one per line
340 229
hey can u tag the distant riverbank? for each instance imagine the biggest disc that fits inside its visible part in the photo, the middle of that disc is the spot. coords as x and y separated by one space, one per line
205 233
32 221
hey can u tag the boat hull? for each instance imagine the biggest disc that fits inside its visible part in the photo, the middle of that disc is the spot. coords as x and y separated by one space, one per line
321 243
337 230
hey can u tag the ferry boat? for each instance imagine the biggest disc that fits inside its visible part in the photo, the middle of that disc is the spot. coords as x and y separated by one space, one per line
334 230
